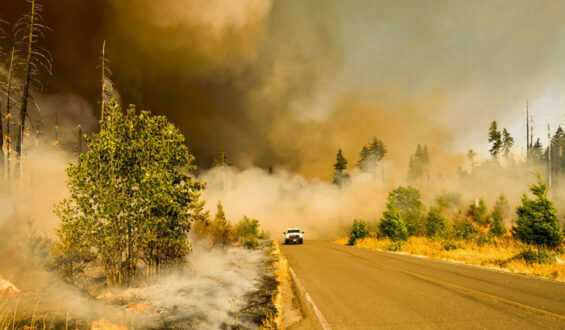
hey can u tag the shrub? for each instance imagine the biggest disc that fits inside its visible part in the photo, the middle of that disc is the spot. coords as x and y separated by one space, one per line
536 257
396 246
465 229
450 246
477 211
436 225
359 230
406 201
497 215
537 220
392 225
247 231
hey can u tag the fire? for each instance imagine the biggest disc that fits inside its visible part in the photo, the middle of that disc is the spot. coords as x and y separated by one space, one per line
141 307
104 324
7 287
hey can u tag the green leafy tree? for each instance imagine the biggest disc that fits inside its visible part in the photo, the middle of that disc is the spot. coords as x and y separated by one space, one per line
499 212
477 211
537 220
495 137
391 224
248 232
406 200
436 224
131 196
359 230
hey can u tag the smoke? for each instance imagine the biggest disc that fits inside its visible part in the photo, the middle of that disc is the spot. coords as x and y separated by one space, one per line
244 75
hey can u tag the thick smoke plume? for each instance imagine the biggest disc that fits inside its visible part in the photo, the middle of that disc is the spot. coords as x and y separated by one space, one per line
242 75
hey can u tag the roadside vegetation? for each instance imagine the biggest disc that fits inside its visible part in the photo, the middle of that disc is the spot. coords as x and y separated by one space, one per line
533 245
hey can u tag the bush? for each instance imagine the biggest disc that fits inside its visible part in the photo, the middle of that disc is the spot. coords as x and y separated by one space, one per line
392 225
465 229
477 211
359 230
436 225
536 257
247 231
450 246
497 215
407 202
537 220
396 246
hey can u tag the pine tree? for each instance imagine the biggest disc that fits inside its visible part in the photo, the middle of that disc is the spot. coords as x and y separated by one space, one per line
363 162
471 156
537 219
557 155
391 224
507 142
436 224
495 138
340 164
221 227
221 159
537 152
418 164
498 214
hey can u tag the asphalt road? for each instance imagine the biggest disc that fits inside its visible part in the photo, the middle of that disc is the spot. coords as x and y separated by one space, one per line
353 288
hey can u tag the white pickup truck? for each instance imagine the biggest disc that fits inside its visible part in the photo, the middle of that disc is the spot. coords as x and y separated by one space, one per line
293 235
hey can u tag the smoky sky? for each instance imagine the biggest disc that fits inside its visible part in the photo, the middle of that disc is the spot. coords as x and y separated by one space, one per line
287 83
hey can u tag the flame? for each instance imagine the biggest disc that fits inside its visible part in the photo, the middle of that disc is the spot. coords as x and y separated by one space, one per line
141 307
7 287
103 324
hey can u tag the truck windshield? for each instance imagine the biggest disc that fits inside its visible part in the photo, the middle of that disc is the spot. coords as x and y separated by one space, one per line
294 230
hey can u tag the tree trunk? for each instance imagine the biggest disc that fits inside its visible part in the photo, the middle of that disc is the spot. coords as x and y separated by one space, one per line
8 95
27 81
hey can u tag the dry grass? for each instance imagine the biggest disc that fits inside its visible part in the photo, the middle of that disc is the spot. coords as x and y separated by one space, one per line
499 254
274 321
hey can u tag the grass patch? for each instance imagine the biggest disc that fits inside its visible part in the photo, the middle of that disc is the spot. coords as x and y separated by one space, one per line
503 253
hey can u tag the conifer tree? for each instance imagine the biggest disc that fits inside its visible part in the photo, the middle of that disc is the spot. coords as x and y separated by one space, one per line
537 219
221 159
507 142
495 137
392 225
340 164
498 214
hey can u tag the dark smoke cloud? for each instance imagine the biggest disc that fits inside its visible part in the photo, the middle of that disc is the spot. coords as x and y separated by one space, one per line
281 82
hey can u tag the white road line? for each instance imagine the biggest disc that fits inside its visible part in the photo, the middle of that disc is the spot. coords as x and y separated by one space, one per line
325 325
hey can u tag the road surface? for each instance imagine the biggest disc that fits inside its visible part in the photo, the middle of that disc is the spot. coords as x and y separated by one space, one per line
343 287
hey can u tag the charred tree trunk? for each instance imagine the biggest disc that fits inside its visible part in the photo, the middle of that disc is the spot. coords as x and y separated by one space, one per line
8 106
27 80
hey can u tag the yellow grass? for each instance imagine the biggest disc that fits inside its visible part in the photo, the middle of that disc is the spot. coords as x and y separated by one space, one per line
273 321
498 254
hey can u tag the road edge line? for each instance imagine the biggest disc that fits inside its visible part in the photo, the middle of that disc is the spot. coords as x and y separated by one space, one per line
325 325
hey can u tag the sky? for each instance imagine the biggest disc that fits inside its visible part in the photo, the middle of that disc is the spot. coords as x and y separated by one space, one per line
286 83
